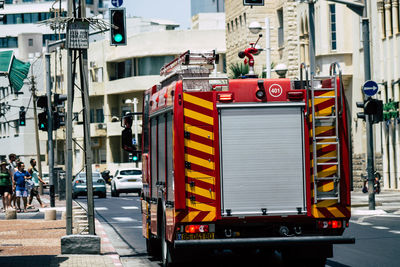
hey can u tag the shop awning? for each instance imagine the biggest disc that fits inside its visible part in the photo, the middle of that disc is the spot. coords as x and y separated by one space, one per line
15 69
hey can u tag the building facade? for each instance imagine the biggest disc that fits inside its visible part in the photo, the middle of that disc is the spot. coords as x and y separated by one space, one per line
117 74
283 34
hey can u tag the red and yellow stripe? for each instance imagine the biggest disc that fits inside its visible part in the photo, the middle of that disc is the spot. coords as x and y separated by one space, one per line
325 208
200 155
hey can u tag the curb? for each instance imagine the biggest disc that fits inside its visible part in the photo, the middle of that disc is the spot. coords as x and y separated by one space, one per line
106 244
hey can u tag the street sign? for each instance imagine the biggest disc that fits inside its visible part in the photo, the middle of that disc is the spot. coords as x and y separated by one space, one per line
78 35
370 88
117 3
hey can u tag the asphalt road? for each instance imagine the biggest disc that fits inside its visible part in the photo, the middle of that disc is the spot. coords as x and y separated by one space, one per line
377 239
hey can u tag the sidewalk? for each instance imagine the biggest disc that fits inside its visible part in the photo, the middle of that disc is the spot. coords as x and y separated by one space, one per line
36 242
388 201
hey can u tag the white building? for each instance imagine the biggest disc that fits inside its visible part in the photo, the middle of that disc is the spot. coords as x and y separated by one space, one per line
124 72
20 32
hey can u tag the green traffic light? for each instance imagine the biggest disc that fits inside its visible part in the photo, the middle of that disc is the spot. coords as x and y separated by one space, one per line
41 126
118 37
134 158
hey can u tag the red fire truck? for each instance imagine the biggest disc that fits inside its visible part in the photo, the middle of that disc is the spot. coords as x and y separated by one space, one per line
229 163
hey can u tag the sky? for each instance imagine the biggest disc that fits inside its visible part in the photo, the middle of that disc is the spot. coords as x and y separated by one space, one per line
175 10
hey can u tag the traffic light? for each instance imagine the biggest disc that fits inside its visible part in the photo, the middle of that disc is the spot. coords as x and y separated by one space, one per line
253 2
360 115
136 156
42 117
59 111
22 121
118 29
372 107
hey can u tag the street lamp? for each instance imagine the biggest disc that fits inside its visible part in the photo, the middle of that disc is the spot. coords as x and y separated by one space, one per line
255 28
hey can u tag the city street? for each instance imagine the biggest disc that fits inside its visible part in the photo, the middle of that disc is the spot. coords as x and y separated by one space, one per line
377 238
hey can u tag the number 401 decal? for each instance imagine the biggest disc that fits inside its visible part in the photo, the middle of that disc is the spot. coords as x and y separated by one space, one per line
275 90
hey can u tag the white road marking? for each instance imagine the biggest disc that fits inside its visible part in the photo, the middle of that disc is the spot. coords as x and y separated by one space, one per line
395 232
380 227
130 208
101 208
124 219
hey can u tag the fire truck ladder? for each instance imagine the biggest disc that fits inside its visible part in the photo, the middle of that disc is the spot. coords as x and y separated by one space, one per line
317 93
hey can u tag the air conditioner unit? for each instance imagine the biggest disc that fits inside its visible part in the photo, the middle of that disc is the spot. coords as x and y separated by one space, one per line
101 126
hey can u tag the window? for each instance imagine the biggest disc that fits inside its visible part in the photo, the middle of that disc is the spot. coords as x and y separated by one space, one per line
89 2
9 42
30 42
332 16
16 127
152 65
153 154
9 1
131 172
91 115
27 18
101 5
97 74
280 28
99 115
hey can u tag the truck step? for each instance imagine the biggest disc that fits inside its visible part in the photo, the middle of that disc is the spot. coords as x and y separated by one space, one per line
327 163
327 143
325 117
325 137
323 89
326 158
326 198
327 178
324 97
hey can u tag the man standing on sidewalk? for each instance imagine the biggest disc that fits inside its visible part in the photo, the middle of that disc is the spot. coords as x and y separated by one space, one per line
5 185
20 190
11 167
36 178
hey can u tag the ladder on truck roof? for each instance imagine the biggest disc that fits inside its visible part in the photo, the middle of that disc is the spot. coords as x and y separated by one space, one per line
206 59
320 94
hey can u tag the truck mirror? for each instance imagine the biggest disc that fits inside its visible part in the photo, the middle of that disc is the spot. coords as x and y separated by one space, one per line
127 143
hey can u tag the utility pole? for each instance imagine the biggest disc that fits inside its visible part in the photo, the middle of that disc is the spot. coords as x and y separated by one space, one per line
50 132
135 103
70 100
39 161
362 10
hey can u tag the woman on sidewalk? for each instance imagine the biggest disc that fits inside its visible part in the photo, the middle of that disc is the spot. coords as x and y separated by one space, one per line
35 178
5 185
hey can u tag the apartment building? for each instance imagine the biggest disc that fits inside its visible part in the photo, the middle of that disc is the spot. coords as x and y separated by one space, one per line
120 73
283 34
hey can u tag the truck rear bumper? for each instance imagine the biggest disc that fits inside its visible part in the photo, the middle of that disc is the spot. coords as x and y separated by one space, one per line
265 241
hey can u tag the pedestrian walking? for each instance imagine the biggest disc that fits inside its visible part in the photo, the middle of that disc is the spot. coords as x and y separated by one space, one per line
12 167
35 178
5 185
20 190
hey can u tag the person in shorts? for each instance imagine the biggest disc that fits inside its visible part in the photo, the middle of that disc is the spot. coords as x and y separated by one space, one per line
12 167
35 178
5 185
20 191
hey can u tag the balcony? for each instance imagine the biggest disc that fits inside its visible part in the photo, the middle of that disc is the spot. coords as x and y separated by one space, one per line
127 85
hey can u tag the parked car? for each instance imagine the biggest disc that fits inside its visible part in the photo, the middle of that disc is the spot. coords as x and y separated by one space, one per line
127 181
79 187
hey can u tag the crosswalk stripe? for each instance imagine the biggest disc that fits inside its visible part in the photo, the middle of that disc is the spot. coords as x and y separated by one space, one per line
124 219
101 208
130 208
380 227
394 232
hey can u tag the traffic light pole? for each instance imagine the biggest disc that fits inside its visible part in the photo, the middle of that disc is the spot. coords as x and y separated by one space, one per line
39 161
50 132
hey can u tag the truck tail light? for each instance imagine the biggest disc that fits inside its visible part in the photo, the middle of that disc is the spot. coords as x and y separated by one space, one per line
225 97
331 224
196 228
295 95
